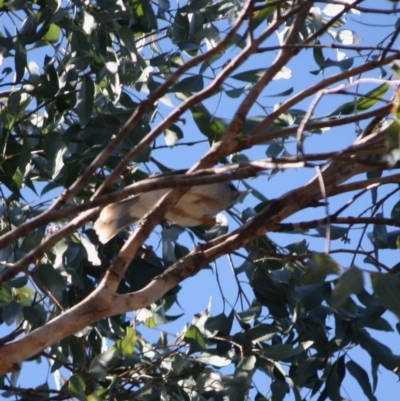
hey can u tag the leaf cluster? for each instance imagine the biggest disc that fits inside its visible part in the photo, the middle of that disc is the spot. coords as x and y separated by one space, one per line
98 97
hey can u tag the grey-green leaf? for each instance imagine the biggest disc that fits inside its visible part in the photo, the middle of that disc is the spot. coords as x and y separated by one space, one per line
350 282
85 100
279 389
387 289
190 84
173 135
20 60
362 378
279 352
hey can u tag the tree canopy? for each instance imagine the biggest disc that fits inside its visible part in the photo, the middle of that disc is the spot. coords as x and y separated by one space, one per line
288 101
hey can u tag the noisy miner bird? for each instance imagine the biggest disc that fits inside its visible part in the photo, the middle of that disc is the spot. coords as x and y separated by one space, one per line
198 205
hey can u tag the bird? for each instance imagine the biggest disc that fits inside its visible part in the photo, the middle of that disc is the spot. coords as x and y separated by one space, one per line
198 205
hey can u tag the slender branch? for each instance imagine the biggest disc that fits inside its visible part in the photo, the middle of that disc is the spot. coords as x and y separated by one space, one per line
365 253
332 219
326 46
315 88
368 184
252 140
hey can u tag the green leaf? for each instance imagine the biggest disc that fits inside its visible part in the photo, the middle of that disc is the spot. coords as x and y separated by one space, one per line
78 350
344 64
189 84
286 92
91 251
279 389
53 33
258 195
99 365
58 163
77 386
362 378
318 54
311 296
350 282
35 315
160 318
251 75
143 18
380 353
262 332
84 104
127 344
51 145
210 358
173 135
20 60
10 312
382 239
374 374
212 127
392 133
248 315
220 324
279 352
387 289
195 6
244 371
366 102
308 368
380 324
335 232
263 15
180 27
128 41
269 293
335 380
274 149
51 279
23 161
235 93
254 75
194 336
13 103
395 214
18 282
319 268
298 248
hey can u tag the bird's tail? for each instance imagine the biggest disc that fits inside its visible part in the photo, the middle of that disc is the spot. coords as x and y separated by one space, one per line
113 219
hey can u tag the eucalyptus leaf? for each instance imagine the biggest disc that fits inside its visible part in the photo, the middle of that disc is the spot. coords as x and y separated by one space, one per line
319 268
284 351
85 100
173 135
362 378
189 84
387 288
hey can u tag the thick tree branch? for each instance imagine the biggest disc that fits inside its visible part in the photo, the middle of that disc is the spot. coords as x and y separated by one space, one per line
105 302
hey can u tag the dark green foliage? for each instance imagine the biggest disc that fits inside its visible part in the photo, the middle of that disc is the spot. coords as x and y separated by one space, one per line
73 74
